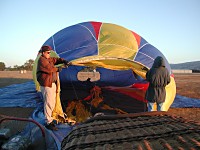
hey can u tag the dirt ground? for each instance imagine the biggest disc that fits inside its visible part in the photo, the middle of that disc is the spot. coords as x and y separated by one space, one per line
187 85
14 77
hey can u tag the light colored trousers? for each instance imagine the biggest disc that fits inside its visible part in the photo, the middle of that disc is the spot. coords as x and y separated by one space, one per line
49 98
159 106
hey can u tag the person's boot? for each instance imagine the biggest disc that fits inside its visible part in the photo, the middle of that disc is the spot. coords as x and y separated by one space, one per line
51 126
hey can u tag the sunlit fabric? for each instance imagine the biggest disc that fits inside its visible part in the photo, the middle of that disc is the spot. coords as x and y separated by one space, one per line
120 55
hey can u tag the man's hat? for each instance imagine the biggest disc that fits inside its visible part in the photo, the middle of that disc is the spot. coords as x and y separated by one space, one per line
45 48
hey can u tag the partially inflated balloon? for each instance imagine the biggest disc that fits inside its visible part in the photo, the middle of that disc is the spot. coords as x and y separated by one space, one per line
119 55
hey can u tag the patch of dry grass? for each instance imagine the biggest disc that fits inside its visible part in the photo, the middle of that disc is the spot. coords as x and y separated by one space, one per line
16 74
188 85
187 113
14 77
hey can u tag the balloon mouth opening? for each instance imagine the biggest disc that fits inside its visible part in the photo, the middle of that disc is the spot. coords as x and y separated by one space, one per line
112 63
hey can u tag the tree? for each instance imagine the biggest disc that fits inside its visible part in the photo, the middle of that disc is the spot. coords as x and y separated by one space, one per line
28 65
2 66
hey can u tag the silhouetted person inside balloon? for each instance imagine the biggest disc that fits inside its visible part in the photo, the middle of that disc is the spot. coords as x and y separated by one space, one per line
158 77
89 83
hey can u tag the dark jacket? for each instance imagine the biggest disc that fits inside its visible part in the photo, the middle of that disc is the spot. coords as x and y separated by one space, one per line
46 70
158 77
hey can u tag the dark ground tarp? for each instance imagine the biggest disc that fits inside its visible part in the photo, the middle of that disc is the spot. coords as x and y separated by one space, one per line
19 95
183 102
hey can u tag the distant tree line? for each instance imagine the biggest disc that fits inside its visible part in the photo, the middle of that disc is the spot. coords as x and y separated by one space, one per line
28 65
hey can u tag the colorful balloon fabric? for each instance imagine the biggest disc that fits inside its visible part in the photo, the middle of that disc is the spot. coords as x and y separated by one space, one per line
119 55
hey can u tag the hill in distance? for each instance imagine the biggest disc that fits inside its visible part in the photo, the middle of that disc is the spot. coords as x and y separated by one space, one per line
194 65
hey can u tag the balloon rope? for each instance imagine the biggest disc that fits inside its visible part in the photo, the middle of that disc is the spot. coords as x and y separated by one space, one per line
73 86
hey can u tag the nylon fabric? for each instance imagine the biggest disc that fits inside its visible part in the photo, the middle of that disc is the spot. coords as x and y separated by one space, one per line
37 85
111 63
122 43
119 55
58 113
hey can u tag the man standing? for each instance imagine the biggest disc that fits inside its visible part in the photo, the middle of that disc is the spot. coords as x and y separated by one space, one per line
47 76
158 77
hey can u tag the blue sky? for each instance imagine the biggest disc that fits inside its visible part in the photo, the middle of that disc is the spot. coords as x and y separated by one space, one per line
172 26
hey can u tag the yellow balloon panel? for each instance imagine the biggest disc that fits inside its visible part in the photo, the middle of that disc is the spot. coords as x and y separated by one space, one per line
116 51
37 86
121 44
111 63
170 94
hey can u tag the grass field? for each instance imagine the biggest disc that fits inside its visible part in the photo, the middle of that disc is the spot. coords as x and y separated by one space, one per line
187 85
14 77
